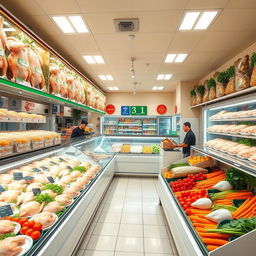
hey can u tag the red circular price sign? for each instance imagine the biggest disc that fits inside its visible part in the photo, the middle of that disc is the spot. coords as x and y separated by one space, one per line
161 109
110 109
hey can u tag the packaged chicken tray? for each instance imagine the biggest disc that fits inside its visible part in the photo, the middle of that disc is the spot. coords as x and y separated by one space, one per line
6 146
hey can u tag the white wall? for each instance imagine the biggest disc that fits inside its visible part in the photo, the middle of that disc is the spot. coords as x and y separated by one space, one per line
149 99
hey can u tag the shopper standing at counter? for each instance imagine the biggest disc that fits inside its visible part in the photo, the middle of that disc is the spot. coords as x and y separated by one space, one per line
80 130
189 140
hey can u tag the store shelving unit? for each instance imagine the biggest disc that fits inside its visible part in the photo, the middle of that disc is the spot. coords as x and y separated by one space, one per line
23 121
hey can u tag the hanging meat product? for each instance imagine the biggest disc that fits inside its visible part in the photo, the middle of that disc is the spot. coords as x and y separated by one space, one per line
70 86
83 99
88 96
3 44
55 79
18 60
64 86
36 64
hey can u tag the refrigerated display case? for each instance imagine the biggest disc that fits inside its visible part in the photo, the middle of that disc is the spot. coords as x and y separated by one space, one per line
83 191
165 125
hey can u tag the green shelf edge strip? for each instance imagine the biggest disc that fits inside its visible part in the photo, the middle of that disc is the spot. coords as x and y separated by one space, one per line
47 95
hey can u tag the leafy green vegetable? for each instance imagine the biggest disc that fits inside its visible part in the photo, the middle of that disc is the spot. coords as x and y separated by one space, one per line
240 180
156 149
200 89
193 93
230 72
223 77
2 237
248 142
177 165
236 227
44 198
79 168
253 60
58 189
60 212
211 83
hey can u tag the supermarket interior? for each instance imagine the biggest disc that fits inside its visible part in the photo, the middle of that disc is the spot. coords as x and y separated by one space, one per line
127 128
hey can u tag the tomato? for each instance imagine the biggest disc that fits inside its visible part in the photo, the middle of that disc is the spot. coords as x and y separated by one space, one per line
22 221
29 232
25 224
8 218
38 226
31 224
35 235
23 230
15 219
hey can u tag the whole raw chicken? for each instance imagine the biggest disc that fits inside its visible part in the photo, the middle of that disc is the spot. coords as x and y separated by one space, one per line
6 178
77 186
17 186
30 209
53 207
25 198
45 218
70 86
63 199
34 185
9 196
55 79
11 246
64 86
70 192
18 59
6 227
3 43
36 64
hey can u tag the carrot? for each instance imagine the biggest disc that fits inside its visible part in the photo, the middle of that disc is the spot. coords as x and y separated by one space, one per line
201 229
203 221
212 241
242 207
203 225
211 247
249 209
214 235
197 211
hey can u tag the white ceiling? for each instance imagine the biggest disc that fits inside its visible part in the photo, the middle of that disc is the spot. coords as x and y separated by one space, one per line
233 30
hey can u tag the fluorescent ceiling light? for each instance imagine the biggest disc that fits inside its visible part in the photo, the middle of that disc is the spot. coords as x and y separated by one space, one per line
102 77
63 24
160 88
189 20
181 57
115 88
78 23
205 20
89 59
160 77
170 58
99 59
111 88
168 77
157 88
109 77
9 29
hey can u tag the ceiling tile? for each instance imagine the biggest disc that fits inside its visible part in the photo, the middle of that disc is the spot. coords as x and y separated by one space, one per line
59 7
241 4
206 4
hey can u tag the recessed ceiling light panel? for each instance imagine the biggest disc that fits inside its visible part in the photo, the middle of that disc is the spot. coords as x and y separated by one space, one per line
63 23
78 23
89 59
181 57
189 20
99 59
205 20
160 77
109 77
170 58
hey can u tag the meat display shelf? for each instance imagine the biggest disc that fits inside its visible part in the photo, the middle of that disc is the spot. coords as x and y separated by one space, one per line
229 96
233 161
234 119
234 135
8 87
22 121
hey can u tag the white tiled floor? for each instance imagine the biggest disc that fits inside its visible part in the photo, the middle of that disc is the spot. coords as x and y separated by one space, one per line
129 222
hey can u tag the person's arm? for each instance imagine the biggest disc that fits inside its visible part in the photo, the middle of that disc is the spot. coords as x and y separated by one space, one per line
182 145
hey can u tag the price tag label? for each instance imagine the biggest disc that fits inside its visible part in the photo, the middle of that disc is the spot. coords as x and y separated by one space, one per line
28 178
53 162
36 170
17 175
44 168
1 189
5 210
51 180
36 191
69 168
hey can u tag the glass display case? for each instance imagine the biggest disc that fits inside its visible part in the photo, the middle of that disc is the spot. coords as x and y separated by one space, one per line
51 185
165 125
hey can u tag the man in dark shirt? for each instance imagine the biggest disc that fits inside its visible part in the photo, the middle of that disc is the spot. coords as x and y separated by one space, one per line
79 130
189 140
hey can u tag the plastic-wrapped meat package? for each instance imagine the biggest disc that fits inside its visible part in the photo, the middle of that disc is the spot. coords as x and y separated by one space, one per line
18 60
247 153
55 79
218 115
238 128
3 44
249 130
36 64
236 149
227 145
242 73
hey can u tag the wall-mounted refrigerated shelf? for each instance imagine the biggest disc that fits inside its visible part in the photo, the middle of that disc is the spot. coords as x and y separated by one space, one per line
234 135
23 121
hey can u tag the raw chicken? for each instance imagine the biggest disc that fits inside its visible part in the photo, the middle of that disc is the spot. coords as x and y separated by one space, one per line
11 246
16 185
66 179
63 88
6 226
70 192
30 209
63 199
40 178
247 153
34 185
64 173
6 178
76 186
45 218
25 198
49 192
18 60
76 174
3 43
9 196
87 165
12 171
28 169
249 130
83 180
70 87
53 207
55 79
36 64
73 163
